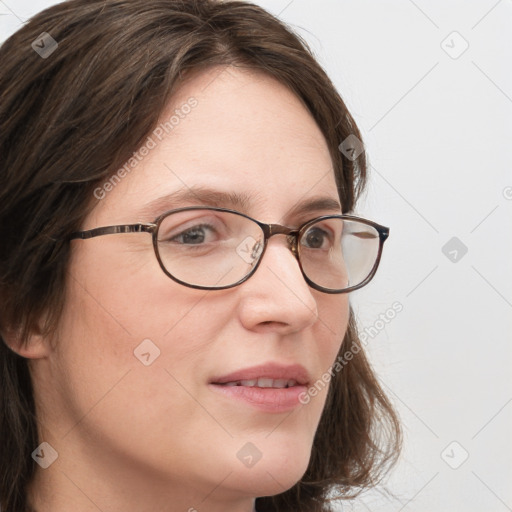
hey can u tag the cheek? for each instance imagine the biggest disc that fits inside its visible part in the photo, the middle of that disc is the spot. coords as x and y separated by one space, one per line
128 314
333 317
127 298
131 346
137 406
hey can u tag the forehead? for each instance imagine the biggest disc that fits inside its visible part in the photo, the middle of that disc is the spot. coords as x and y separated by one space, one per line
234 130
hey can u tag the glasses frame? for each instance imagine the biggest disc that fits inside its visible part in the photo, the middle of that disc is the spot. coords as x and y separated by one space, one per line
269 230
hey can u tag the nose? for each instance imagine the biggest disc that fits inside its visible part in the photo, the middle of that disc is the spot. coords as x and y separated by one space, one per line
276 297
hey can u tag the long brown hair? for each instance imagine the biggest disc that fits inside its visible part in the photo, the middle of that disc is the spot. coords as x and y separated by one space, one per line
70 119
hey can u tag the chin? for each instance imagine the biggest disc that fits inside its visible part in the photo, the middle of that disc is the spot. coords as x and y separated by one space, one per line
266 483
278 470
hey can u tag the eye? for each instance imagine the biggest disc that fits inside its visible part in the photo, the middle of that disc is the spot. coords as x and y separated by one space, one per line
193 229
194 235
317 238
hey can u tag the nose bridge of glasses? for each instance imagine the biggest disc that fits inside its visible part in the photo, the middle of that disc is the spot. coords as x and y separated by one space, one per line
290 233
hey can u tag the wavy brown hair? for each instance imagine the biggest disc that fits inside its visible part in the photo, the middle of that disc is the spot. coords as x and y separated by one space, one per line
68 121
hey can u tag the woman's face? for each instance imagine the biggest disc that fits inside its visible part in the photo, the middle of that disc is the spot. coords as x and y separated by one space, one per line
128 387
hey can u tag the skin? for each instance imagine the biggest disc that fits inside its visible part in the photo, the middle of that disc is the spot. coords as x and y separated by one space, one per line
131 437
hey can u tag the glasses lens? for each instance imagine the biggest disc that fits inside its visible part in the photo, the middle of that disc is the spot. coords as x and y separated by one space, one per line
208 248
338 253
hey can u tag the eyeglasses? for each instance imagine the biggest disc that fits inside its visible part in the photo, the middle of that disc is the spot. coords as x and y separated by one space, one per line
216 248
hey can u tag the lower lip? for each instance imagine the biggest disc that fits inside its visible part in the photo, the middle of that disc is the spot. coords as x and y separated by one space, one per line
265 399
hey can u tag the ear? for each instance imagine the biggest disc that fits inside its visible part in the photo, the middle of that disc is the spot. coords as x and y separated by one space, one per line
37 346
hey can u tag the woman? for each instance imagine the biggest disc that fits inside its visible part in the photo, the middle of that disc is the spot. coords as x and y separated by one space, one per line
175 267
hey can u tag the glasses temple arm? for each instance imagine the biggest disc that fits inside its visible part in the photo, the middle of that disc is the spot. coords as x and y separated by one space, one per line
112 230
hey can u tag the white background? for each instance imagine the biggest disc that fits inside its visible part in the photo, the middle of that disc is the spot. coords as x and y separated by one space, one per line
437 130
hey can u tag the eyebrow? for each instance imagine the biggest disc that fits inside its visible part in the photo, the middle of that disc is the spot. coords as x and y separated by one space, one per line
202 196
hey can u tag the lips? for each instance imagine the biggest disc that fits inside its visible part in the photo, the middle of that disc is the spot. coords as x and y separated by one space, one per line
269 388
263 383
265 376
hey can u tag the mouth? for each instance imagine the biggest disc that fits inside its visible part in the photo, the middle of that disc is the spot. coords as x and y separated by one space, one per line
269 387
262 383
